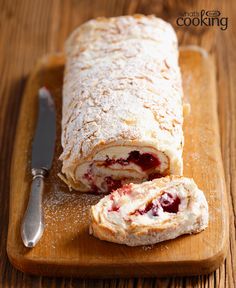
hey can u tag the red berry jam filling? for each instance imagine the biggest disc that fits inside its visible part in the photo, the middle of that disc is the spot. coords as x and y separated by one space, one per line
169 203
89 177
112 184
146 160
114 208
154 176
109 162
151 206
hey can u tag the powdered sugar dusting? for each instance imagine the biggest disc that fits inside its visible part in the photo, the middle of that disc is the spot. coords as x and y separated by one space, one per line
122 85
147 247
67 212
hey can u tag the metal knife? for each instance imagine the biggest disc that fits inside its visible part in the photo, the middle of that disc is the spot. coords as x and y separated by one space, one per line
42 155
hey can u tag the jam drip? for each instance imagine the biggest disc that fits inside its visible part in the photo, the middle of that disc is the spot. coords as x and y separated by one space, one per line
146 160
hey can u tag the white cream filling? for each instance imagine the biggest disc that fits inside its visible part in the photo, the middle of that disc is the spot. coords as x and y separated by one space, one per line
188 210
126 173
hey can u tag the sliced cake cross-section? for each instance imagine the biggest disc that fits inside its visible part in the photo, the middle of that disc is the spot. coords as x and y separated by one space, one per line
151 212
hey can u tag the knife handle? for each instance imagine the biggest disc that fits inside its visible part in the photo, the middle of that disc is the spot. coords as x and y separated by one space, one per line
33 222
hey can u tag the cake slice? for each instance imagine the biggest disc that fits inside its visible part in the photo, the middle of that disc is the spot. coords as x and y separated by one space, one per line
151 212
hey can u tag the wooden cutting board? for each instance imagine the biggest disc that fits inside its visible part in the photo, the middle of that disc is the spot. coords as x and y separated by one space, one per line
66 248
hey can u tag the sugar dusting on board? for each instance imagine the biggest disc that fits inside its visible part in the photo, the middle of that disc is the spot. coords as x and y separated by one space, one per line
147 247
66 212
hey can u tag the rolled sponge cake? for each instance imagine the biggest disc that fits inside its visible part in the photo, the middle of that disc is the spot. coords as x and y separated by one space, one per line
122 112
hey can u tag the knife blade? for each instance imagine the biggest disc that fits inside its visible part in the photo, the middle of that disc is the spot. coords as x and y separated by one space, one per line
42 156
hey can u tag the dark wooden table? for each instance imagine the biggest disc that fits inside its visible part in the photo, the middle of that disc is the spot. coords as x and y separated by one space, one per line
32 28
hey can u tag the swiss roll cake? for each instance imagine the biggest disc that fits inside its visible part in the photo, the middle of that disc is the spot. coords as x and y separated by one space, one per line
122 113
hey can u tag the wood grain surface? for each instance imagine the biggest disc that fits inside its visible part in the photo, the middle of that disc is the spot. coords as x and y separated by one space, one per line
30 29
66 248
